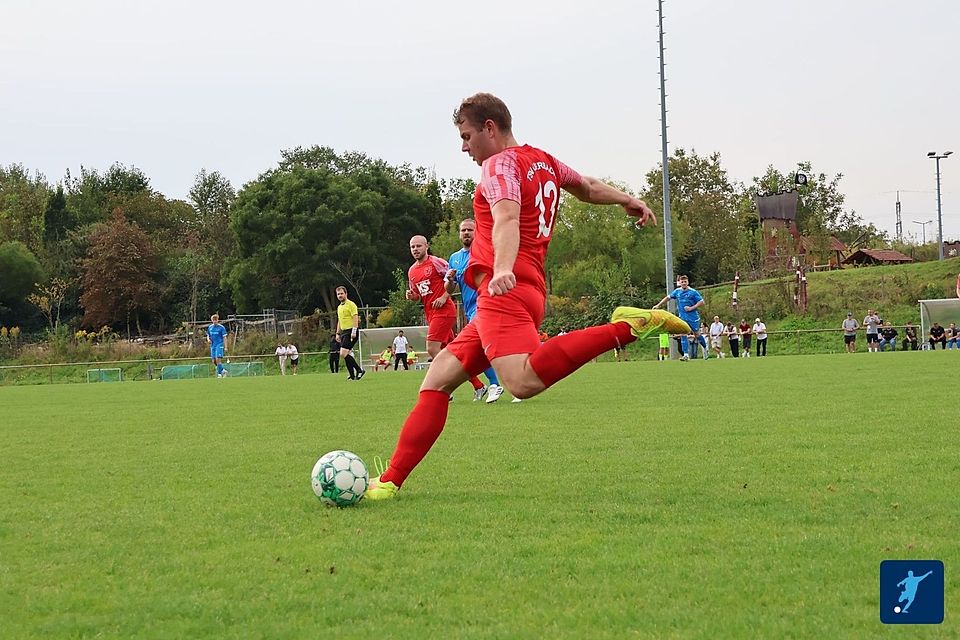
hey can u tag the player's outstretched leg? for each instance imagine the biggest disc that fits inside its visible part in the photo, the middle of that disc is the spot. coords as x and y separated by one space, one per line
644 322
560 356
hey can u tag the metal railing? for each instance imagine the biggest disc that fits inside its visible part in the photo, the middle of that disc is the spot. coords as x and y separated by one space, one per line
143 369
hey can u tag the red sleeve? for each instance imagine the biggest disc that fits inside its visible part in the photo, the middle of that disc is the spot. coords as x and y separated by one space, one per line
501 178
567 176
440 265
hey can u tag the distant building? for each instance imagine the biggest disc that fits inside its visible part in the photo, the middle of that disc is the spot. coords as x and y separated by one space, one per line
784 247
871 257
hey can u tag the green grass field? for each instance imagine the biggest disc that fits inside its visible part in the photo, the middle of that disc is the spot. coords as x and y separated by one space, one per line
720 499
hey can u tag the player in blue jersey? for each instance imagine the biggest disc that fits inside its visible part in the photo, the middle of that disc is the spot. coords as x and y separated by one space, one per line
468 295
216 336
688 301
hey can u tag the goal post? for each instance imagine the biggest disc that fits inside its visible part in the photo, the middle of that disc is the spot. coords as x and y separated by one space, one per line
114 374
243 369
185 371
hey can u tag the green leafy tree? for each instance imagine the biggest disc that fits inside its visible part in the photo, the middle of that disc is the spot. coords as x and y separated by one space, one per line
708 210
23 200
400 312
207 240
19 272
119 275
590 239
311 225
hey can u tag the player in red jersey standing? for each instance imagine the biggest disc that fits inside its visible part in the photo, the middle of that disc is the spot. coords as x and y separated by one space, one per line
515 208
426 283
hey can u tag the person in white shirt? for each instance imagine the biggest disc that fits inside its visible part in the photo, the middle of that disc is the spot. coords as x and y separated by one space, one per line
760 331
872 324
400 351
716 336
281 354
294 356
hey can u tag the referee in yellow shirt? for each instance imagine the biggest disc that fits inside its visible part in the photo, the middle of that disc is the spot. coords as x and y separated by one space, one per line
348 321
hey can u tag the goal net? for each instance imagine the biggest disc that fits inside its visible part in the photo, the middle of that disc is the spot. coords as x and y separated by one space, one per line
243 369
105 375
185 371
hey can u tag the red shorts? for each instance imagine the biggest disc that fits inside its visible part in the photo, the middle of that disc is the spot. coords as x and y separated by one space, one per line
504 326
440 328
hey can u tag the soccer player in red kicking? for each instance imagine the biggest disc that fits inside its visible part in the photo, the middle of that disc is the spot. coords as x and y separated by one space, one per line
515 207
426 283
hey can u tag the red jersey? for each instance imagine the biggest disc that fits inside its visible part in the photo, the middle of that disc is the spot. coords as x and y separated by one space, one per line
533 178
426 281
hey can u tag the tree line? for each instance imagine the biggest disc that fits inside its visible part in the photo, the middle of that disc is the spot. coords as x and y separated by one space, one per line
104 248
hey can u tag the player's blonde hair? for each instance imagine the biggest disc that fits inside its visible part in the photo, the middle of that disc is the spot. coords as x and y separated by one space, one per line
481 107
341 288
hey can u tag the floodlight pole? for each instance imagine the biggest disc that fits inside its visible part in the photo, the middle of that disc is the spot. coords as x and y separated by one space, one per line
938 156
667 227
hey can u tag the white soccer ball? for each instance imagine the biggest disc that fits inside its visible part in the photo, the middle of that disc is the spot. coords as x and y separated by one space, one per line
339 478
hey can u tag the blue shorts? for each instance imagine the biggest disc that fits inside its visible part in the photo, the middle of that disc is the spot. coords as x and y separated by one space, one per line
216 351
693 321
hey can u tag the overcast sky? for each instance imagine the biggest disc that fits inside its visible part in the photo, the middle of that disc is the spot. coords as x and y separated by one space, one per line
863 88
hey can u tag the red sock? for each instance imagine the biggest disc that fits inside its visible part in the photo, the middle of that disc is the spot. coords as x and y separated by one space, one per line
419 432
476 383
560 356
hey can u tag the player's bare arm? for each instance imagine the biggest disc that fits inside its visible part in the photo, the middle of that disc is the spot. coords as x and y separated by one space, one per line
506 244
596 191
665 298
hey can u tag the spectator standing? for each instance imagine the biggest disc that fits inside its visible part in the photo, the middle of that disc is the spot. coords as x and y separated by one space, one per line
760 330
872 324
717 329
888 336
850 327
293 356
746 331
937 334
733 337
910 338
281 354
335 353
400 351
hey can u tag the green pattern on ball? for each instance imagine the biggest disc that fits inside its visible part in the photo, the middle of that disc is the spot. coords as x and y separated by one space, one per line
325 474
